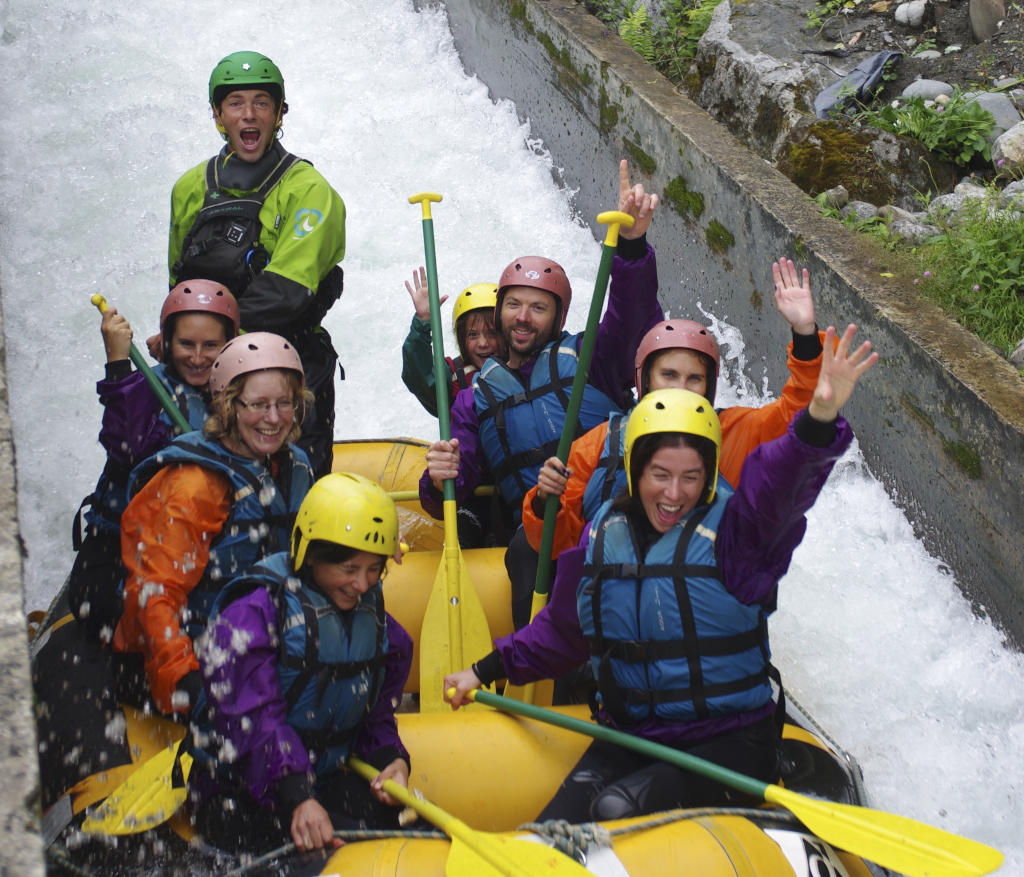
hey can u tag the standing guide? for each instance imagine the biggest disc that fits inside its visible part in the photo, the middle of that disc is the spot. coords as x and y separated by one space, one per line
269 227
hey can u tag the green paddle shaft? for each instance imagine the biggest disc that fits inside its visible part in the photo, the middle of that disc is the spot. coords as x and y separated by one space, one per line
162 396
627 741
440 366
613 220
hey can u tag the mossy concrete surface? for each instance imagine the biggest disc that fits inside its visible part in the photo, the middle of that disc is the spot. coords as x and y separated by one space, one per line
955 463
21 846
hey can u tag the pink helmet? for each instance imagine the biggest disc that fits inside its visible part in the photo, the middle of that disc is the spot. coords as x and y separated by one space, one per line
535 272
256 351
674 334
198 296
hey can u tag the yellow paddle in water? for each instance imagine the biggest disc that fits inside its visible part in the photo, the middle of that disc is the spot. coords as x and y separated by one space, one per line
479 853
455 631
148 797
894 842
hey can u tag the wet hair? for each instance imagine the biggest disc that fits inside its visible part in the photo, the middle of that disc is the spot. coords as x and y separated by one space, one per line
644 450
709 367
470 320
223 420
172 321
322 551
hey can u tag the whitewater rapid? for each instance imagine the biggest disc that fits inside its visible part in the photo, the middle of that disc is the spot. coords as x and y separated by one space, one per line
104 107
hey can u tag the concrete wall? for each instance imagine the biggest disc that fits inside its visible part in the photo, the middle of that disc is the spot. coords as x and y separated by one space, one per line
21 847
940 420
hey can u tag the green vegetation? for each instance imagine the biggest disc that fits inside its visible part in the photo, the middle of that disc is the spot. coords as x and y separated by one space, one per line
955 131
719 238
647 164
670 41
689 205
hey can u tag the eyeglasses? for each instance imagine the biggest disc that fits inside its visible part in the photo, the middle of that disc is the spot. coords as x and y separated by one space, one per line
284 406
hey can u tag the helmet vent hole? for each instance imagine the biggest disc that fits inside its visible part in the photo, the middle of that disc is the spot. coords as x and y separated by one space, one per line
379 520
287 346
187 291
703 331
253 347
547 270
660 406
700 409
670 328
519 266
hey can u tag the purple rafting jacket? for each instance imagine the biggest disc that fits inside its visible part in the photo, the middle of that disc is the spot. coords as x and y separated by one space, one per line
267 748
132 429
762 525
633 310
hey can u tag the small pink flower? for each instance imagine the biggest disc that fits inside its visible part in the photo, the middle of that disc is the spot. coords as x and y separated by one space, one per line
939 109
869 262
1001 162
927 273
915 281
976 287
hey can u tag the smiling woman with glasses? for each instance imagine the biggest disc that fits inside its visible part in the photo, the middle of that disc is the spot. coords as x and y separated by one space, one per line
204 510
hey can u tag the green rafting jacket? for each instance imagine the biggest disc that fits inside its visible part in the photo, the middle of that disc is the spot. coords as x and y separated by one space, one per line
418 365
303 221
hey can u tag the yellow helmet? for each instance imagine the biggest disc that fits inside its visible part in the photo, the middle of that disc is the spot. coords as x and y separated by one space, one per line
479 295
674 411
347 510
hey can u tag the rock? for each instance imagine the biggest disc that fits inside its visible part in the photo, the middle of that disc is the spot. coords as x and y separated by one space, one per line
891 213
915 233
1013 195
1017 357
861 209
751 76
911 14
930 89
1017 96
949 50
930 55
1004 81
887 38
948 206
837 198
873 165
1000 106
972 190
985 16
942 99
1008 152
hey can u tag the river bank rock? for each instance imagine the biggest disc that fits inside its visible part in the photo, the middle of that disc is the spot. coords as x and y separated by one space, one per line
985 16
873 165
1008 152
750 72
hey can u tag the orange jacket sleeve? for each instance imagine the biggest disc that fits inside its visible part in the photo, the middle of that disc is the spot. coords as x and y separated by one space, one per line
166 532
583 459
743 429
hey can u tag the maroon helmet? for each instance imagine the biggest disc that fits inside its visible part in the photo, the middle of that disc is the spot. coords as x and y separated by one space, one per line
535 272
673 334
253 352
198 296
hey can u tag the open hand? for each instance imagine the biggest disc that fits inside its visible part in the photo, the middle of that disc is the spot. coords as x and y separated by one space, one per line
840 372
793 298
420 294
636 203
443 461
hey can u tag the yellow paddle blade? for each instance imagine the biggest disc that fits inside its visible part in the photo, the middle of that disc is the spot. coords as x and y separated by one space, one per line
493 855
895 842
435 639
543 692
148 797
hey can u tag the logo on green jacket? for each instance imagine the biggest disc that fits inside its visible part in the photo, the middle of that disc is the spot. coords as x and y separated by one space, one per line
306 221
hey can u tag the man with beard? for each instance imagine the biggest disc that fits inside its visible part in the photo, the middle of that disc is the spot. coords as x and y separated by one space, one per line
511 420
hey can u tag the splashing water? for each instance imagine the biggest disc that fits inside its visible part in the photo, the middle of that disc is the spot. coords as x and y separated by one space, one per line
104 109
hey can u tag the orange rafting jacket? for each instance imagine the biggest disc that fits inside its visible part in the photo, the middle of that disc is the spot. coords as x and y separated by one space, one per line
166 532
743 429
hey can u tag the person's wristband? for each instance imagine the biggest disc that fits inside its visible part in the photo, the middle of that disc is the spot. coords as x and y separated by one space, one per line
807 348
813 432
118 370
489 669
293 790
631 250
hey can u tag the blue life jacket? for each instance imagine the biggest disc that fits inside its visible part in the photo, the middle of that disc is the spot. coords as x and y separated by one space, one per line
609 477
666 638
331 663
110 496
521 422
259 522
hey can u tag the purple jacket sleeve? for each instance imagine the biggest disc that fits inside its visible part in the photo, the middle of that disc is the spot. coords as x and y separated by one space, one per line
132 429
633 309
765 520
466 428
239 666
380 730
552 644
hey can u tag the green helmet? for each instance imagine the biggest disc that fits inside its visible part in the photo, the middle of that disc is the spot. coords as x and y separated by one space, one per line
245 69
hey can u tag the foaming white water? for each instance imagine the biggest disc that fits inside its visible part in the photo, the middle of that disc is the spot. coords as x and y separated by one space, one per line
104 108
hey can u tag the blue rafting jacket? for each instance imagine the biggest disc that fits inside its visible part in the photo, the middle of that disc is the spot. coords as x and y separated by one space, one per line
260 520
609 477
521 423
110 496
331 663
666 637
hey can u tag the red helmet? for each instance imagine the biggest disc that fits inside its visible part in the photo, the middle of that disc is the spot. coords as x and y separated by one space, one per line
535 272
673 334
198 296
256 351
